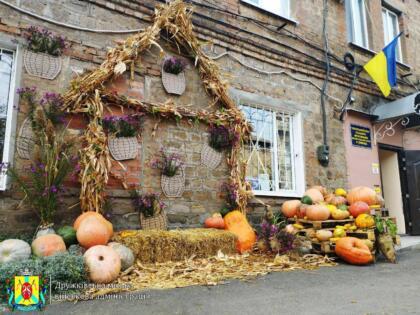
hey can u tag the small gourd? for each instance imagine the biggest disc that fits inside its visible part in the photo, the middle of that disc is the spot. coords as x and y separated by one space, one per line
14 250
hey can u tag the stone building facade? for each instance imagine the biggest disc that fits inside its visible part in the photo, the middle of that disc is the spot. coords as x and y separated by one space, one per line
274 61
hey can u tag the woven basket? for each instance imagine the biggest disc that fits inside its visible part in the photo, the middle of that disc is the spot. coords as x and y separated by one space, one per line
173 83
157 222
25 141
210 157
123 148
173 186
41 65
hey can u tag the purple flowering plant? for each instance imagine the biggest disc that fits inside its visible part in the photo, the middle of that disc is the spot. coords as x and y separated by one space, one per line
222 137
148 203
123 126
168 163
43 41
174 65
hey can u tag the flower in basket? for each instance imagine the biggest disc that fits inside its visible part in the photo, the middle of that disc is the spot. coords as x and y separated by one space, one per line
174 65
43 41
149 204
222 137
123 126
168 163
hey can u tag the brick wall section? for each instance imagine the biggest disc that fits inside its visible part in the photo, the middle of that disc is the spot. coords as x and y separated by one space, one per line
272 52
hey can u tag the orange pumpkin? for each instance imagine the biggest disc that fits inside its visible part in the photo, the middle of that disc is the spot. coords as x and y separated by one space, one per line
362 193
48 245
301 213
318 213
93 231
353 251
215 223
359 207
290 208
236 222
88 214
315 195
103 263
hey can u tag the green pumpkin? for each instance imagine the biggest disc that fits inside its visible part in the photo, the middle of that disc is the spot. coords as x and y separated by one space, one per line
68 233
306 200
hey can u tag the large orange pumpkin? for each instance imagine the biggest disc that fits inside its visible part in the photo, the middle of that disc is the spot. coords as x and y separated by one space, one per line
88 214
315 195
237 223
318 213
103 263
362 193
290 208
93 231
353 251
48 245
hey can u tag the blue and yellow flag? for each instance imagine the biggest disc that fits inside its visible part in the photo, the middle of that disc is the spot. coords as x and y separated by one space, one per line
383 67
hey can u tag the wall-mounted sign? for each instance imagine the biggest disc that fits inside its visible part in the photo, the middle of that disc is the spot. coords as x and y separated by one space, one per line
375 168
360 136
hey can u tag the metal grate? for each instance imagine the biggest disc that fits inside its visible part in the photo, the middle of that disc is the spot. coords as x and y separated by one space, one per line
269 153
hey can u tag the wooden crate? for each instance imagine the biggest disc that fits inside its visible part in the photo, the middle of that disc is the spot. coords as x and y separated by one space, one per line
325 247
368 234
318 225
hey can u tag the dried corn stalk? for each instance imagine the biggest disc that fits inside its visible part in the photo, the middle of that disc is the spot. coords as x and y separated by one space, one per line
85 95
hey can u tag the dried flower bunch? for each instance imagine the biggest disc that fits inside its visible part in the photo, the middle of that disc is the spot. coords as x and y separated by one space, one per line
222 137
149 203
174 65
43 41
168 163
123 126
274 236
43 182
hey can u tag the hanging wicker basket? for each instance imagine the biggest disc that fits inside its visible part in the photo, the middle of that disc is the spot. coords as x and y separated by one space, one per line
210 157
123 148
173 186
173 83
157 222
25 141
41 65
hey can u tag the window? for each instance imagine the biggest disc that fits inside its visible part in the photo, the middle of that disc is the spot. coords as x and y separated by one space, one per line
274 152
356 23
7 112
279 7
391 30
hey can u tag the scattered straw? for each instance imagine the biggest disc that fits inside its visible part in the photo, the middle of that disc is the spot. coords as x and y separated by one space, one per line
209 271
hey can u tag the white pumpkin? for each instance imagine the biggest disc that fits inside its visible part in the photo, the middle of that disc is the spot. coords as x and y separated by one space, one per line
14 250
126 254
103 263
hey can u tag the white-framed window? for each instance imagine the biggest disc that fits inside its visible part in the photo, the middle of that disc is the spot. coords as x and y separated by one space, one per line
275 152
279 7
357 29
391 30
8 108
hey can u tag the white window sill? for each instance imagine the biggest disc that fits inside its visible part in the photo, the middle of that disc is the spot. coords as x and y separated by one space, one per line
277 194
369 51
286 18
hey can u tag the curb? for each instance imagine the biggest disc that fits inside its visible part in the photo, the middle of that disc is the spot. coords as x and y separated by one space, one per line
409 248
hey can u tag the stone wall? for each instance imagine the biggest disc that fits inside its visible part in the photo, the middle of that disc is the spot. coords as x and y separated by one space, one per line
240 46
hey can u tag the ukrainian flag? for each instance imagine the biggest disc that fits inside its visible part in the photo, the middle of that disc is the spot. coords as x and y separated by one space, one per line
383 67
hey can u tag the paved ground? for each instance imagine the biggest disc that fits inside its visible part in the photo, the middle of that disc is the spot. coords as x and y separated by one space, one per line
378 289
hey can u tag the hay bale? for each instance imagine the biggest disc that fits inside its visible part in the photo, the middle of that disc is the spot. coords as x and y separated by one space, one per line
161 246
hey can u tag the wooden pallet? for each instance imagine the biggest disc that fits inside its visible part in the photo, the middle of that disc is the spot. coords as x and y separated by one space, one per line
368 234
318 225
326 247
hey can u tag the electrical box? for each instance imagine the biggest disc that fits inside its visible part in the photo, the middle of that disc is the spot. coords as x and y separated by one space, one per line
323 153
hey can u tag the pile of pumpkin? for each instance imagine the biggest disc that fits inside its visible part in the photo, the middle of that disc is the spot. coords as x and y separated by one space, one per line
318 204
92 231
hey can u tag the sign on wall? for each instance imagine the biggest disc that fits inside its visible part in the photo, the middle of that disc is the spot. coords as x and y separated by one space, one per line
360 136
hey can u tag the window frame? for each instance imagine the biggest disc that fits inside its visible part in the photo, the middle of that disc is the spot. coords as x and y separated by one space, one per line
297 151
350 10
387 25
285 16
7 43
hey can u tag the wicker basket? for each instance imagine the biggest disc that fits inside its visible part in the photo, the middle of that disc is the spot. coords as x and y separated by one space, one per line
173 83
173 186
157 222
42 65
210 157
25 141
123 148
